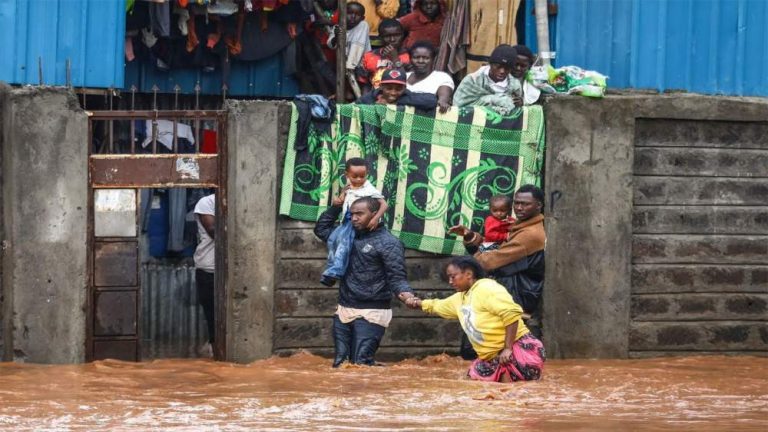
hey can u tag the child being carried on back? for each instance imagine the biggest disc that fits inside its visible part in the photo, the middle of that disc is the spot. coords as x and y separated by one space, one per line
496 227
341 240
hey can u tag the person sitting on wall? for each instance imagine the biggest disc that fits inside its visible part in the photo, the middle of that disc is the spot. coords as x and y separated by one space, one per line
425 22
492 320
391 56
375 272
425 79
491 85
523 64
393 91
518 263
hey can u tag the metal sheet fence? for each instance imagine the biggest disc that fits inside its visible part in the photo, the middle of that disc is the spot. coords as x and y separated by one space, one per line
62 42
702 46
172 322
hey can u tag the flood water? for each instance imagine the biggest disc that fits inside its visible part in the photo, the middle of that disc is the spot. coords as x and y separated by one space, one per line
303 393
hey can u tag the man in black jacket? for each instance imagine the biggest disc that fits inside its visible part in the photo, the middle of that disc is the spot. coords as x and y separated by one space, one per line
376 272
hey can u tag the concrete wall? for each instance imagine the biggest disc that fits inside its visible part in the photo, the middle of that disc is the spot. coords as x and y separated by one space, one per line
658 243
44 194
253 148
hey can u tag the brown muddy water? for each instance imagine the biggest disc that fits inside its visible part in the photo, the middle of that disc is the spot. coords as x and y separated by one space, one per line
303 393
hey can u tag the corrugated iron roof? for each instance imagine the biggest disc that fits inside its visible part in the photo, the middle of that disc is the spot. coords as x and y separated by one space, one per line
703 46
87 33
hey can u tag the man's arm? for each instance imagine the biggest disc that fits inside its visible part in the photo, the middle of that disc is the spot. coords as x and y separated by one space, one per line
209 223
393 259
327 223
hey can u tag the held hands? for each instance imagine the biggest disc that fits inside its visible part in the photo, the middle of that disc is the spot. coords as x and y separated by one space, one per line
338 201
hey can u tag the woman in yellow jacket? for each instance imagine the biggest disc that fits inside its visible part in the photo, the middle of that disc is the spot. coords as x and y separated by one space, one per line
506 350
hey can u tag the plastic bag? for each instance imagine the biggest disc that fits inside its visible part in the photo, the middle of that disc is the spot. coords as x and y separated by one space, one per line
568 80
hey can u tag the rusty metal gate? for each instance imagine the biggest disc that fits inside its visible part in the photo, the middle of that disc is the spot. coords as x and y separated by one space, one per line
129 150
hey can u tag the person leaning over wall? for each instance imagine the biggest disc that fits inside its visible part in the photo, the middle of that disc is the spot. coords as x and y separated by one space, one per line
425 79
520 71
491 85
393 91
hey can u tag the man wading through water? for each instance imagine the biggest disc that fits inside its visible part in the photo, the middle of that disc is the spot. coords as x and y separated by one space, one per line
376 272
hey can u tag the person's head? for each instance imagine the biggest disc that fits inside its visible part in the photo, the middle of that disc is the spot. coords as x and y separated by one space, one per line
422 57
502 60
362 211
501 206
392 85
391 32
355 14
329 4
462 272
430 8
356 171
528 202
523 62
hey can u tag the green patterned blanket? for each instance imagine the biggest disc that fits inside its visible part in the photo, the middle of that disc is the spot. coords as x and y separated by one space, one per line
435 170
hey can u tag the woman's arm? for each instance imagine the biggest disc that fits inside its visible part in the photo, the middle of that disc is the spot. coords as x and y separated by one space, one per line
444 98
509 339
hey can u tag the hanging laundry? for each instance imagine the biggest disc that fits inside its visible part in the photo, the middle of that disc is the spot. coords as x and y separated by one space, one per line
165 133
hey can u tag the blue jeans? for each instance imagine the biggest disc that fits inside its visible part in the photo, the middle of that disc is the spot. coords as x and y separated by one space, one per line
356 342
339 245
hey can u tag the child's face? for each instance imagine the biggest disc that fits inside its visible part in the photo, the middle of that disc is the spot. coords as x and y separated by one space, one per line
356 175
500 209
355 15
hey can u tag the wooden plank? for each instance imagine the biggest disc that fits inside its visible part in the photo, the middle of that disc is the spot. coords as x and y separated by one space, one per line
322 302
305 273
699 307
701 133
686 161
699 336
154 170
699 249
700 220
656 278
417 332
700 191
301 242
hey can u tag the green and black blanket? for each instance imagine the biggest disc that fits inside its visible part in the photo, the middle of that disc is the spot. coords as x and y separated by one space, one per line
435 170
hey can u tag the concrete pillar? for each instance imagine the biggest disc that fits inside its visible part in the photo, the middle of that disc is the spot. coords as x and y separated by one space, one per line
589 228
44 192
254 163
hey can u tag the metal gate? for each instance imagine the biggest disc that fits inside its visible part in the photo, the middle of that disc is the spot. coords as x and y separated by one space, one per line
129 150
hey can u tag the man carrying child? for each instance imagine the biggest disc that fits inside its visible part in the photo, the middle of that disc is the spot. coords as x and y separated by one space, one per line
374 270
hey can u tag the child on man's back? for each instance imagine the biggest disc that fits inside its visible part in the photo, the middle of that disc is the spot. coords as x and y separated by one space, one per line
496 227
340 241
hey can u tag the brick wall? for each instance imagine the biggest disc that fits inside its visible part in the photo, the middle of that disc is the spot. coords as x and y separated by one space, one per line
700 237
304 307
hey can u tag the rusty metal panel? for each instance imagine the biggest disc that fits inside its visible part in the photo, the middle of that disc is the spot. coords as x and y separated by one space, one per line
174 170
115 313
115 264
115 349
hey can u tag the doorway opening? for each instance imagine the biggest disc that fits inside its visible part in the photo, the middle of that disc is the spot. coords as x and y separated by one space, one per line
149 172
